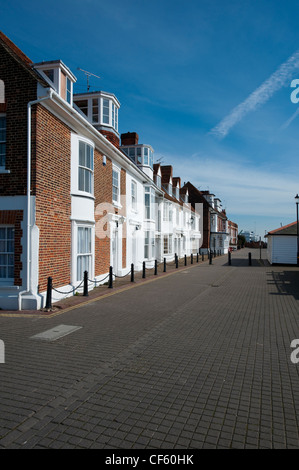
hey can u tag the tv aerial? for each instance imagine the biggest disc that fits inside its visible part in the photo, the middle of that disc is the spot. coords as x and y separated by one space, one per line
88 74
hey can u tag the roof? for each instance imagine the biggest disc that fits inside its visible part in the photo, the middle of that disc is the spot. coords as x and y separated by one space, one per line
290 229
20 57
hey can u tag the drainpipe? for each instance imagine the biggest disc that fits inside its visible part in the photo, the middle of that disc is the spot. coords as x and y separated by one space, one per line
28 251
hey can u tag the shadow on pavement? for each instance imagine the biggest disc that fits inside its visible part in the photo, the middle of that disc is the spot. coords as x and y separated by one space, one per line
286 282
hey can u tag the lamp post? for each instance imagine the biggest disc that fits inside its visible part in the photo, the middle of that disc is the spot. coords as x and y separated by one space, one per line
297 202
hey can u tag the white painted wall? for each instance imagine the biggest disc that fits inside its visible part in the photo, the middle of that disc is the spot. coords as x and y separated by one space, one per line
282 249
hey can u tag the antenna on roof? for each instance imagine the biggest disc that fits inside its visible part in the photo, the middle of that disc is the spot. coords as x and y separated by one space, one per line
88 74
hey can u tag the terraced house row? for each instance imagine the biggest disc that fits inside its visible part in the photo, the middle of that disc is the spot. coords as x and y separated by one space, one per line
76 195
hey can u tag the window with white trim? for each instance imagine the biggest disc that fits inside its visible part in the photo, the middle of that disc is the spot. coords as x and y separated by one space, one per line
85 178
7 253
149 202
149 244
134 195
167 212
84 251
167 244
115 186
106 112
68 93
2 140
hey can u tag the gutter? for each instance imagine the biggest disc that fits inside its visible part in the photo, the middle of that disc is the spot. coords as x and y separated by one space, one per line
28 251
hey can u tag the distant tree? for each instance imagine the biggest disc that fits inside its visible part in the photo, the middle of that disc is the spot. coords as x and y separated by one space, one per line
241 240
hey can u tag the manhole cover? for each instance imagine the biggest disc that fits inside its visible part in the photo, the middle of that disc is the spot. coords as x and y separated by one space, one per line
56 332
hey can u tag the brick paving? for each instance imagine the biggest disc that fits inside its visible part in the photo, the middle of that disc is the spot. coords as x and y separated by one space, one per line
197 358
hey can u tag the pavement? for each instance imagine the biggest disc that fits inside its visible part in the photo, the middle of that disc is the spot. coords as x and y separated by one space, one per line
195 358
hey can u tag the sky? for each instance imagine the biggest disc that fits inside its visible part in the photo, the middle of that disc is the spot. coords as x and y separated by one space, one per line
206 83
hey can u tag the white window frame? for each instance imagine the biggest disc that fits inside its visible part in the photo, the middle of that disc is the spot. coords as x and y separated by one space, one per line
86 254
167 212
116 178
6 253
3 115
149 244
167 244
134 195
85 169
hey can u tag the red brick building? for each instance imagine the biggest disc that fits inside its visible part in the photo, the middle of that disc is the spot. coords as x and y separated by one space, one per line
61 181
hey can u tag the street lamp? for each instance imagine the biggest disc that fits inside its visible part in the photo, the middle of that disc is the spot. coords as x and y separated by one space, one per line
297 202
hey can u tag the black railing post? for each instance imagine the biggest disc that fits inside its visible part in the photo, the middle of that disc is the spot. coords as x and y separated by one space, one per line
49 293
156 268
132 272
143 270
164 268
85 289
249 259
110 285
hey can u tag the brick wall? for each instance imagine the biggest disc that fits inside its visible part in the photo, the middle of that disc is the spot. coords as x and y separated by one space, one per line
53 199
20 88
103 194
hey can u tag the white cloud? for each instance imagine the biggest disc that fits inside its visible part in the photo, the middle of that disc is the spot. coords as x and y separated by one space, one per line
260 96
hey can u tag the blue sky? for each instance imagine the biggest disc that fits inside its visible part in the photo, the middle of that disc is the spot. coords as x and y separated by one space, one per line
207 84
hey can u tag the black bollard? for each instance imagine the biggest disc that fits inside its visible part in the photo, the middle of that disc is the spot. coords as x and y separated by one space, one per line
249 259
49 293
143 270
185 260
211 256
156 268
110 285
164 268
229 258
191 258
176 261
132 272
85 289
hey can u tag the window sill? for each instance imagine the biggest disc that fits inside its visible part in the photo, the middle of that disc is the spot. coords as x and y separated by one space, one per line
82 194
117 205
4 171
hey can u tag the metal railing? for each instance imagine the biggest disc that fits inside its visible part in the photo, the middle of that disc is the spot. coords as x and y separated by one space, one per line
111 276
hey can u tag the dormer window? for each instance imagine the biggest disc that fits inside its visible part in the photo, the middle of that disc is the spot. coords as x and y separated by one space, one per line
59 76
141 155
157 179
100 108
50 74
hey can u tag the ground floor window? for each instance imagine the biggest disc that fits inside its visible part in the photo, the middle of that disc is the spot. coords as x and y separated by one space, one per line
149 245
7 255
84 252
167 244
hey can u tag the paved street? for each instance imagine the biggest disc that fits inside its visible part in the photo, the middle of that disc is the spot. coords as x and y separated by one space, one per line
197 358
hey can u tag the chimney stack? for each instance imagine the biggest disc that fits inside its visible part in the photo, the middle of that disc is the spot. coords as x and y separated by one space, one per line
130 138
